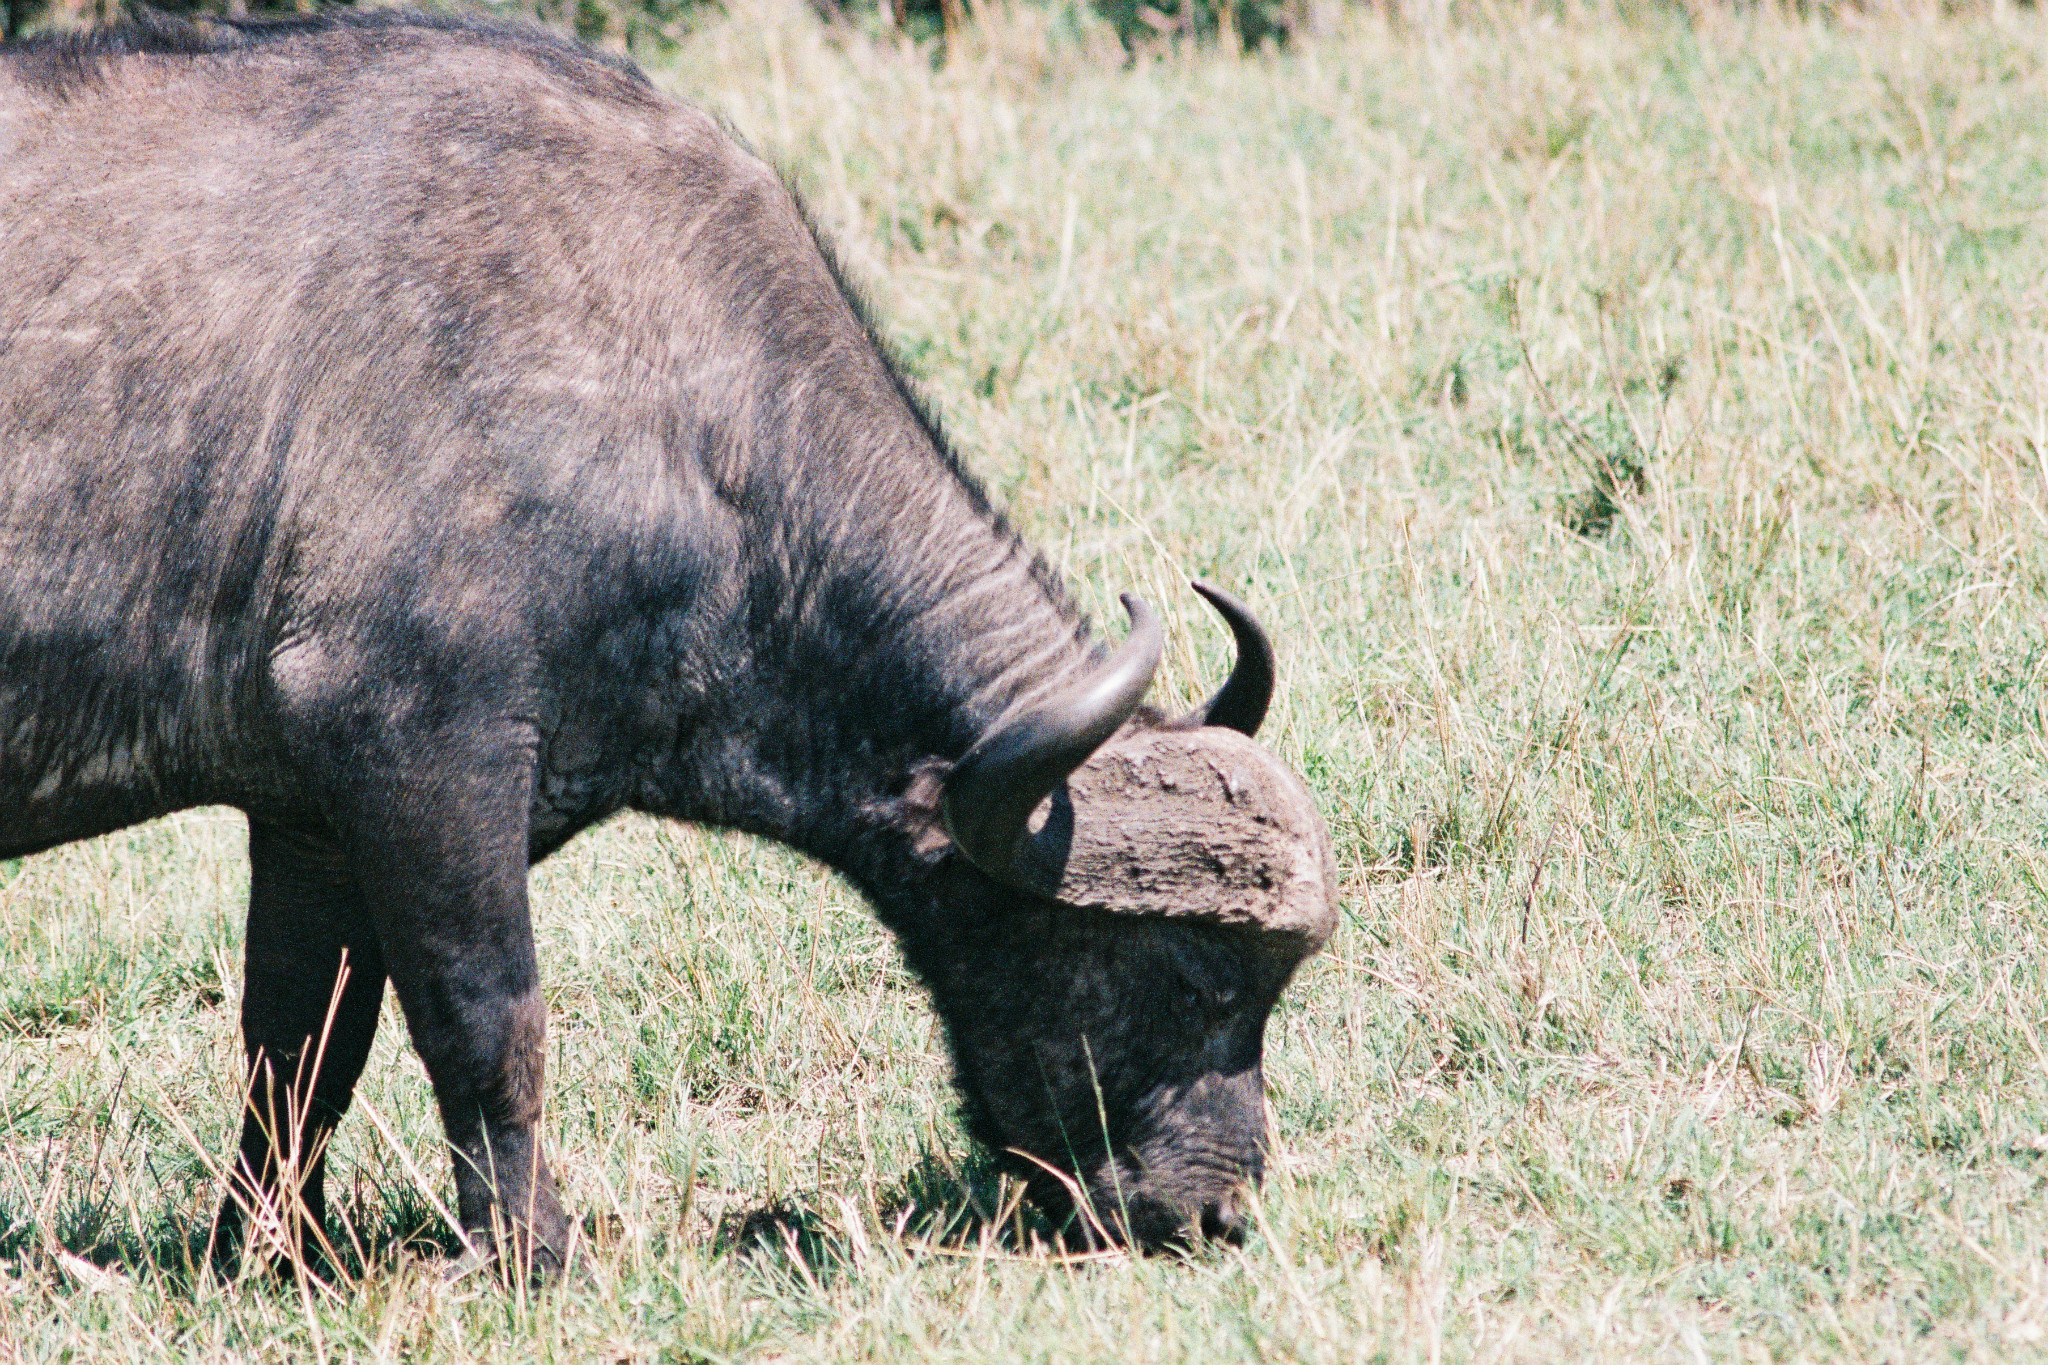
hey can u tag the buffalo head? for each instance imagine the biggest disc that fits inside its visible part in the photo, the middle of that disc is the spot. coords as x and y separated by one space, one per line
1122 900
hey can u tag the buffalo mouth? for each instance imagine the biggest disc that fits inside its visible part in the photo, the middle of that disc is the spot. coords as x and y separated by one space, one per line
1119 1206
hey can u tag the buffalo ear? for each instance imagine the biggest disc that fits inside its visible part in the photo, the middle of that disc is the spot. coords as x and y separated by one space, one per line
917 813
1200 824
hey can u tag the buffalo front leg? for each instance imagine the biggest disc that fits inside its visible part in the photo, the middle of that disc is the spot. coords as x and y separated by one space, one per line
443 860
314 982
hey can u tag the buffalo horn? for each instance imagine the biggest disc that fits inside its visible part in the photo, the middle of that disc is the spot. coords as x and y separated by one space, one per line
1240 704
990 794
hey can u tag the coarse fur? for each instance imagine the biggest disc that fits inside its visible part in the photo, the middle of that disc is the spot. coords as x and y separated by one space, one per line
421 434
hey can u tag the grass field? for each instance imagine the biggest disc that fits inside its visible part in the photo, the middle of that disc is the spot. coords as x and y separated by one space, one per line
1635 433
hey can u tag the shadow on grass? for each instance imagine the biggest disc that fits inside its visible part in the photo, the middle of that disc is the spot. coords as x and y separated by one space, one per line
172 1245
940 1206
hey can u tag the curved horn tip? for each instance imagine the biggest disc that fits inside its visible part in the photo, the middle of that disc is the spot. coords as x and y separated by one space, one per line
1241 703
1139 610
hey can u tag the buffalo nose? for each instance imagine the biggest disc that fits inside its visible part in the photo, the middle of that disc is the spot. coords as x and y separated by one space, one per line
1222 1222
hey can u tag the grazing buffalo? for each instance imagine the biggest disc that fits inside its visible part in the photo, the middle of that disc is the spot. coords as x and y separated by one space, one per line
429 439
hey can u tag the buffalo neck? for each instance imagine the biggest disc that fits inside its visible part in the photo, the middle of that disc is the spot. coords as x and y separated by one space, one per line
872 611
881 616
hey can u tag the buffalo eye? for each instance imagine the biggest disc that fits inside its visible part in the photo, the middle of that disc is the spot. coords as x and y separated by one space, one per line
1205 1002
1202 979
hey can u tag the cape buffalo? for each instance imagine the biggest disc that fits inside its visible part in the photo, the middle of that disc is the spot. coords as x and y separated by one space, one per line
429 439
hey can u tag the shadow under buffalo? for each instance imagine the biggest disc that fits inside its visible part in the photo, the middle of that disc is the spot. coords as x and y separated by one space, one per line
375 1227
967 1208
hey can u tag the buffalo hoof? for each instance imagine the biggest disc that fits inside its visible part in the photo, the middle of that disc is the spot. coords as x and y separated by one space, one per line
508 1262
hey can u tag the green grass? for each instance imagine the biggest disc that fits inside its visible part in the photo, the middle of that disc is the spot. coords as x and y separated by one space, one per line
1636 435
